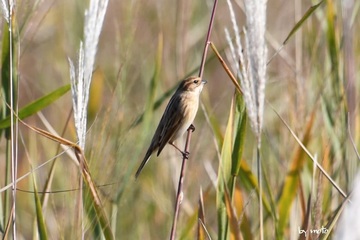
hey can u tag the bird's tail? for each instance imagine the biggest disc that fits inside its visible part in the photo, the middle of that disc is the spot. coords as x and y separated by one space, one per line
144 161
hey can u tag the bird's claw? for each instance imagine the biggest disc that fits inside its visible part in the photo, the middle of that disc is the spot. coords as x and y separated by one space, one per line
192 127
186 155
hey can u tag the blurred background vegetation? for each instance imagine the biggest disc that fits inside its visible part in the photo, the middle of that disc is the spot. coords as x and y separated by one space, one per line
145 48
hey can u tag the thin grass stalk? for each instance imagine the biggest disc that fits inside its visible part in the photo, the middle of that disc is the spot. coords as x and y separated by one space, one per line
14 126
49 179
335 185
8 182
8 186
207 41
259 172
179 195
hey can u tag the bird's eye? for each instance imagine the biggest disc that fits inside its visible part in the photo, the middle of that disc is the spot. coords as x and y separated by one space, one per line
196 81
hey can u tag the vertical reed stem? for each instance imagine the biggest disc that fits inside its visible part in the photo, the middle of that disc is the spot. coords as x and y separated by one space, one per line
180 195
259 172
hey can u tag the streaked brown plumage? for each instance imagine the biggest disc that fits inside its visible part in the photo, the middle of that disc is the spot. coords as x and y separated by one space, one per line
177 118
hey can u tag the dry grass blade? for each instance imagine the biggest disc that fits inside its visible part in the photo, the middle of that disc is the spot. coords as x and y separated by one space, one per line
292 180
226 68
309 154
51 174
205 229
86 175
234 224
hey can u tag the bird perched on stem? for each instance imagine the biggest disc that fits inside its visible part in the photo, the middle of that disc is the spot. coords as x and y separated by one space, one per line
177 118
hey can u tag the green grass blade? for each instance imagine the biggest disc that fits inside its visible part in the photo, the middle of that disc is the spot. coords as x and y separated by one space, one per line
331 33
240 121
99 209
5 67
201 218
37 105
270 193
39 215
95 227
224 175
8 79
307 14
94 198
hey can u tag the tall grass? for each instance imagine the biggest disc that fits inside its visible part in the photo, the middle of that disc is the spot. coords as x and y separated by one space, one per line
310 121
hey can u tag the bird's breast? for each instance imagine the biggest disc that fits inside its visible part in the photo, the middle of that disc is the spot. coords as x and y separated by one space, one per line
189 106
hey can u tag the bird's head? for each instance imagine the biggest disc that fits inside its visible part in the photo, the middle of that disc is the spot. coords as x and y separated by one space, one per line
192 84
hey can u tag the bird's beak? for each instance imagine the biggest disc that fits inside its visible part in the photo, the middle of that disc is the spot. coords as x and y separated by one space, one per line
203 81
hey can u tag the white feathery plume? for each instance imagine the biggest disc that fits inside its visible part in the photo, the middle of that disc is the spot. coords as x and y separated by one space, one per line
251 71
5 10
81 76
257 57
252 68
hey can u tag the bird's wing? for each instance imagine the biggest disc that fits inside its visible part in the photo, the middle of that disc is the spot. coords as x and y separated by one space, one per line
168 126
171 122
155 143
144 161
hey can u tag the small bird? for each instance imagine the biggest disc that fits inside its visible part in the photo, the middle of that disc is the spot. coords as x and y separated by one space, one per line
177 118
